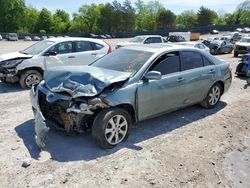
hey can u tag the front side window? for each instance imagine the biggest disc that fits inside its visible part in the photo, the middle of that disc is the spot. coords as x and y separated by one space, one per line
62 48
167 63
191 60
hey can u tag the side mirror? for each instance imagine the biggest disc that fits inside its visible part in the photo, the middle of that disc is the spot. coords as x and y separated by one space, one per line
146 42
153 75
51 53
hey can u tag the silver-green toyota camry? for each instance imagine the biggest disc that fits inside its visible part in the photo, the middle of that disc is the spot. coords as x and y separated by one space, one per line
131 84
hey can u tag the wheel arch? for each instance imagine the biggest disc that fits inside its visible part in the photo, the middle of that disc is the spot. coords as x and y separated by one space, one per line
40 70
130 109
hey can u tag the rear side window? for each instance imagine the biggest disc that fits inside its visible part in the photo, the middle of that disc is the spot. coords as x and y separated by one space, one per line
96 46
82 46
191 60
206 61
156 40
167 63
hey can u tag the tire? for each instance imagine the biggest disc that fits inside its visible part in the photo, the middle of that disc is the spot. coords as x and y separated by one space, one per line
213 96
105 132
236 54
29 78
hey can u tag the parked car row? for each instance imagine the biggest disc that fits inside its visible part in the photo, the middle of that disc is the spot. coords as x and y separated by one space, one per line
243 30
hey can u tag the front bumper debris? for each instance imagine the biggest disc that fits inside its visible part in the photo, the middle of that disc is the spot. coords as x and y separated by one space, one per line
41 129
61 111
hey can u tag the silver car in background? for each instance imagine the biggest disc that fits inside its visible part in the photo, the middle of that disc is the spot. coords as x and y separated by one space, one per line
129 85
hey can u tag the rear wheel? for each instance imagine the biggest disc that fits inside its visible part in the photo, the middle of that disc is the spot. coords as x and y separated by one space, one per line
111 127
213 96
30 78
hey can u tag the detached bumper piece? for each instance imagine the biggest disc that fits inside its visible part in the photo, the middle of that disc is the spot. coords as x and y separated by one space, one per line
8 75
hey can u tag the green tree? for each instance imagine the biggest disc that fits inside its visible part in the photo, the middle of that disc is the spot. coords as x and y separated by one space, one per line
245 18
105 21
61 21
29 20
206 16
165 19
147 14
187 18
45 21
11 15
88 14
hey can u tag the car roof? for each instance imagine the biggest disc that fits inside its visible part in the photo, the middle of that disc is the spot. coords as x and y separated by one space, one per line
158 48
65 39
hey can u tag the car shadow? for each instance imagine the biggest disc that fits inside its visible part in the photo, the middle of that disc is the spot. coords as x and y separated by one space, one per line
8 88
77 147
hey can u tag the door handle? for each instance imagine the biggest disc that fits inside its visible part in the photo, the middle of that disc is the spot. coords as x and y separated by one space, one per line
71 57
180 79
94 54
212 71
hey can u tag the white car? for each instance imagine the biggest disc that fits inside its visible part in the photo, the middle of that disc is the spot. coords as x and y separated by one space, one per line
142 39
1 38
27 66
198 45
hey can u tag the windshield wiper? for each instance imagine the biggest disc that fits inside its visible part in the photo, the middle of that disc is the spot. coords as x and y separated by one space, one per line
23 52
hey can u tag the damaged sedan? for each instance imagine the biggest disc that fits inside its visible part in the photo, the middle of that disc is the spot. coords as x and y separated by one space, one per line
131 84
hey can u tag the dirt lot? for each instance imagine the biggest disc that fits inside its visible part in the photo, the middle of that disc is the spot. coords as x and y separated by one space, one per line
193 147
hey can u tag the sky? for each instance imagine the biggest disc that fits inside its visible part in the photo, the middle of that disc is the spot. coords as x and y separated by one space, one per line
177 6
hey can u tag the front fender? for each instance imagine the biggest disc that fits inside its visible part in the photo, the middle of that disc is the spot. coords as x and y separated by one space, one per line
36 61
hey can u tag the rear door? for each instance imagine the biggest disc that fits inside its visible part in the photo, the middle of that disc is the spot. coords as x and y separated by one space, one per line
199 74
87 52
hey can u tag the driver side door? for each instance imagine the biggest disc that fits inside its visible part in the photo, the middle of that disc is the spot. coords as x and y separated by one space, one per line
159 96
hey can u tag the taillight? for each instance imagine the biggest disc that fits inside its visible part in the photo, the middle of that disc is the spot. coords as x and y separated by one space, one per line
110 49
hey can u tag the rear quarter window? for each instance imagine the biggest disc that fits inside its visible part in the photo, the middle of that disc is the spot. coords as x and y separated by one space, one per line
96 46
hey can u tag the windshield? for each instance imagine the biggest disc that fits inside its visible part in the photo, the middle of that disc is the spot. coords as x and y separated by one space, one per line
247 40
124 60
38 47
137 39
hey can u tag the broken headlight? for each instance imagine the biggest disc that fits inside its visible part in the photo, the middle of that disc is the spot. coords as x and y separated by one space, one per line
12 63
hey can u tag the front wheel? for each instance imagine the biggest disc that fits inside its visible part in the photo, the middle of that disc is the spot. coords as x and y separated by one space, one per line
111 127
213 96
30 78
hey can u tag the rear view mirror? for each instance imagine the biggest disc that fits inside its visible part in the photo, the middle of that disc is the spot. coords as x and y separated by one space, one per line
153 75
51 53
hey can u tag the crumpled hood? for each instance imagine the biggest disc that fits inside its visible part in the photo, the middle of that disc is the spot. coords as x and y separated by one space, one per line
82 81
14 55
243 44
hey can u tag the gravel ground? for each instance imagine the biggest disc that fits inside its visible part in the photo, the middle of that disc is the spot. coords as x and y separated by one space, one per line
193 147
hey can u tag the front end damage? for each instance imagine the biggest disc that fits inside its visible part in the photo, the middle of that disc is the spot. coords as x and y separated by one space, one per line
53 110
69 106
